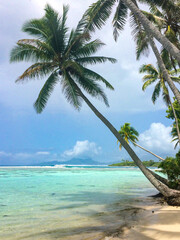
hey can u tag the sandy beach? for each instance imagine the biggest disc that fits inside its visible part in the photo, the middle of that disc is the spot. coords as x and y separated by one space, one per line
155 223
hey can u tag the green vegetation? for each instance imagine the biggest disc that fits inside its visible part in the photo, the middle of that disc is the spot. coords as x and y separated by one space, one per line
130 134
173 112
62 56
171 167
126 163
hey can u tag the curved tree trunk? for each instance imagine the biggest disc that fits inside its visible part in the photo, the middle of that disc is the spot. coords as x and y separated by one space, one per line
158 177
176 120
165 190
164 70
148 151
152 30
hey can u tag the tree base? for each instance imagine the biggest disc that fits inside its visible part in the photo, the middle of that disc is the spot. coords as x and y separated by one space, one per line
173 201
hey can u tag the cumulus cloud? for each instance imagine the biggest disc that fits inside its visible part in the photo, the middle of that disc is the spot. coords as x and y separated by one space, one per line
83 148
158 139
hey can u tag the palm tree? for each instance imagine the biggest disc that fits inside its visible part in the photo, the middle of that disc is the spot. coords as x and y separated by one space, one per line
99 12
64 57
155 75
166 19
170 111
128 133
153 31
131 134
175 135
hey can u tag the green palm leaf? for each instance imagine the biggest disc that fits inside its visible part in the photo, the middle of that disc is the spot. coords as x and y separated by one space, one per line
45 92
119 19
98 13
97 77
63 55
156 92
148 83
70 91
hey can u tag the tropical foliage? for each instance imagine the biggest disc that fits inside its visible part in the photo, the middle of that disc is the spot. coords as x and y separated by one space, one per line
128 133
175 107
62 56
171 167
166 18
126 163
143 30
154 75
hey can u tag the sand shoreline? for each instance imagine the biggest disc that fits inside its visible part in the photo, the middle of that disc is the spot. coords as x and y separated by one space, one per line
154 222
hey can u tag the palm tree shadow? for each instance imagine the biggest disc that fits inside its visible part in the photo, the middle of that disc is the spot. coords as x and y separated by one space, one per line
112 221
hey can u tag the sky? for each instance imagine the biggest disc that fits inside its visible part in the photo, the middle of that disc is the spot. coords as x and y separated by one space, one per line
60 132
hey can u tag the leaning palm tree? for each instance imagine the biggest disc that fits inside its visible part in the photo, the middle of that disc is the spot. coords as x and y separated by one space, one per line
170 111
98 13
130 134
174 134
63 57
155 75
166 19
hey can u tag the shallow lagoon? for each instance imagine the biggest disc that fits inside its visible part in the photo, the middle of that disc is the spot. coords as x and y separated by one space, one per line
67 203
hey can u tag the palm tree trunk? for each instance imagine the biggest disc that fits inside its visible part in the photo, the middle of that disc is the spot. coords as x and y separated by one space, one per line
150 29
148 151
158 177
164 70
176 119
165 190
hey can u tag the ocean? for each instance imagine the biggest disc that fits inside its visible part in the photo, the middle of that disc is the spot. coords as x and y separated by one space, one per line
45 203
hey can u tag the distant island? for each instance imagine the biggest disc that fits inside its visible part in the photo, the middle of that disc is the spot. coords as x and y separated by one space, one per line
73 161
126 163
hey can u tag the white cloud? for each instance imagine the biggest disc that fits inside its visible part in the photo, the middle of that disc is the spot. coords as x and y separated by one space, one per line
43 153
158 139
124 76
83 148
5 154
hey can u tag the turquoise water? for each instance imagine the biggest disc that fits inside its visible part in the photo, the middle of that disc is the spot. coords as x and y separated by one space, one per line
66 203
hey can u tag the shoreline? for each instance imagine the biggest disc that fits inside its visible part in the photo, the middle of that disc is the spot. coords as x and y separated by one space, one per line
156 222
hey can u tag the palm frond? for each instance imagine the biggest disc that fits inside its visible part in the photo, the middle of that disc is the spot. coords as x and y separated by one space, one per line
88 49
156 92
36 28
95 60
92 88
57 28
42 46
176 79
142 44
98 13
45 92
37 70
89 85
95 76
119 19
148 68
140 36
70 91
27 52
